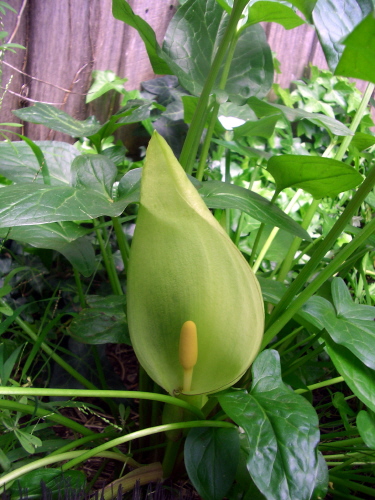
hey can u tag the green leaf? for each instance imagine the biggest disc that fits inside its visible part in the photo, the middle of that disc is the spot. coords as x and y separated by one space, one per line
318 176
54 481
19 164
321 485
366 427
348 324
190 46
357 375
264 127
334 20
7 364
211 457
357 60
282 429
64 237
29 204
274 12
262 108
104 81
362 141
102 323
121 10
129 186
95 172
28 441
218 194
55 119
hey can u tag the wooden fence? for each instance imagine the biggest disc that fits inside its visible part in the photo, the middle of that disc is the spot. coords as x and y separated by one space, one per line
66 40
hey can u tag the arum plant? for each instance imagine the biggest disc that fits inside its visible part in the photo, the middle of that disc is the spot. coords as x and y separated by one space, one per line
195 308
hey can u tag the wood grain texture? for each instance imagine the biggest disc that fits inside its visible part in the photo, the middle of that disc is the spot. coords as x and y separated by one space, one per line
67 39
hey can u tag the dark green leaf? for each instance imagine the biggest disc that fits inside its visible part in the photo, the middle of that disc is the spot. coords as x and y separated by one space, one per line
29 204
264 127
282 429
121 10
262 108
218 194
321 485
334 20
18 162
129 186
362 141
211 456
96 172
190 46
274 12
366 427
357 60
358 376
54 480
65 237
55 119
103 322
318 176
351 325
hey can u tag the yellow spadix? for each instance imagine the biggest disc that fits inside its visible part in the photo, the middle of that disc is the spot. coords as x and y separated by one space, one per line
195 309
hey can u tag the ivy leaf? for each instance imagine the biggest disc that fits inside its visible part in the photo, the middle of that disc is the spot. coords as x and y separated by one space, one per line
211 457
102 322
282 429
55 119
19 164
64 237
348 324
318 176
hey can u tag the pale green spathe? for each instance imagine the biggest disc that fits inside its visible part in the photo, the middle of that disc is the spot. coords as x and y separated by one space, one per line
182 267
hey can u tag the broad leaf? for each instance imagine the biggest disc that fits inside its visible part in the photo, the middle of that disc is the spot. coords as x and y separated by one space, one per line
191 43
55 119
129 186
348 324
218 194
357 60
366 427
334 20
54 482
262 108
94 172
357 375
282 429
104 81
121 10
102 323
318 176
273 12
362 141
211 457
264 127
28 204
64 237
19 164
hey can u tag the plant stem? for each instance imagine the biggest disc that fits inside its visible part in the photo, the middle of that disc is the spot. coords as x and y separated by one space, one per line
259 234
84 393
44 413
282 313
139 434
274 232
52 459
288 261
190 148
319 385
353 485
66 366
108 262
323 276
343 443
81 295
122 242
